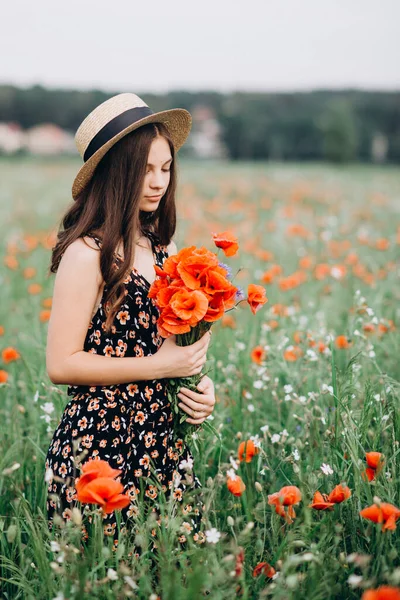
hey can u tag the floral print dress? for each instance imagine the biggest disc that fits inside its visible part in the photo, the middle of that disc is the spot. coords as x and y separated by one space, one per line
129 424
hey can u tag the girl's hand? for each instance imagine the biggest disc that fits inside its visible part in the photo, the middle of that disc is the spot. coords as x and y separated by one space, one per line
198 405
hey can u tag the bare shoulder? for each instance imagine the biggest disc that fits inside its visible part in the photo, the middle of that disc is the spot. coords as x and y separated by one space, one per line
172 249
83 256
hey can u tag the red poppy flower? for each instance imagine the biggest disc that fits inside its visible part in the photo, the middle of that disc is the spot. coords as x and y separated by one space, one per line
105 492
256 297
339 494
10 354
239 562
236 485
287 496
265 569
374 460
92 469
227 242
189 305
383 592
247 450
385 513
258 354
320 502
368 474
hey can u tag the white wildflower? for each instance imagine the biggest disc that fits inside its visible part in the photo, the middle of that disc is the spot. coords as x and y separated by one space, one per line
213 535
234 463
311 355
284 433
258 384
231 474
326 469
275 438
296 454
327 388
54 546
11 469
130 582
112 575
288 397
288 388
240 346
187 465
264 428
256 440
47 407
248 395
354 580
251 408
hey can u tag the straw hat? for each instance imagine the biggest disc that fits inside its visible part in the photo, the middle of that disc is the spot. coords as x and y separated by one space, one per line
113 119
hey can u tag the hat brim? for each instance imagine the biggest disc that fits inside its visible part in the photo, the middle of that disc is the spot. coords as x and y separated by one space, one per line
177 120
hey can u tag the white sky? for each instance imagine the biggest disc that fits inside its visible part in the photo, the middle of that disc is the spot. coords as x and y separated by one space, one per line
222 45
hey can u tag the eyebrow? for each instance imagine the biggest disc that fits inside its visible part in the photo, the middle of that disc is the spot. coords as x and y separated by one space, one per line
167 161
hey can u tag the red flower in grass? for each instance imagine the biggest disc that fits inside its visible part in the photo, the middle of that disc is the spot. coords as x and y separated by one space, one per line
247 450
236 485
263 568
375 462
339 494
227 242
384 592
256 297
326 502
287 496
258 354
97 485
239 562
105 492
384 513
320 502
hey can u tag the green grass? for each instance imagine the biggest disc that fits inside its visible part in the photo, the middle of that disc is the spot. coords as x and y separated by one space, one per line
341 403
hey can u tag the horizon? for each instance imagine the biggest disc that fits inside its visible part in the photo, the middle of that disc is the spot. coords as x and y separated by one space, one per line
205 90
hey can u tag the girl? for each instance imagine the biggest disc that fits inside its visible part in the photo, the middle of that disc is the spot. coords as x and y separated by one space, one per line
102 336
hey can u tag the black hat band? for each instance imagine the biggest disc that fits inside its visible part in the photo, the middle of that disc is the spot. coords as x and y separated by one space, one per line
114 127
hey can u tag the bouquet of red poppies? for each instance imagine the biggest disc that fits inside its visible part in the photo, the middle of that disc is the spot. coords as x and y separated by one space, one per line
192 291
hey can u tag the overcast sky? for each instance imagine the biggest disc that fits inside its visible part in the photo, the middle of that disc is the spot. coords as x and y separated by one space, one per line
224 45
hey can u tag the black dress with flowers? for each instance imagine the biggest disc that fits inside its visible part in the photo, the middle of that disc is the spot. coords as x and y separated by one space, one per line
129 424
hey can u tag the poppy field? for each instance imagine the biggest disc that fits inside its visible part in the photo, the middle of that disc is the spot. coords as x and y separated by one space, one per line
299 462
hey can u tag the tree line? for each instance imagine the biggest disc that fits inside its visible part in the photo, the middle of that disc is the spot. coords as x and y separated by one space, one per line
339 126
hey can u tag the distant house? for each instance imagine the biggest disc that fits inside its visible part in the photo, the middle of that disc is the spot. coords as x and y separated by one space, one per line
12 138
48 139
205 137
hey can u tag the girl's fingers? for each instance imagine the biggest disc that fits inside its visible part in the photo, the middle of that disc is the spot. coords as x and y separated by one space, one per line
192 404
196 396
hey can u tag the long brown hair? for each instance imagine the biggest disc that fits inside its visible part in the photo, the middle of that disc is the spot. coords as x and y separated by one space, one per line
110 204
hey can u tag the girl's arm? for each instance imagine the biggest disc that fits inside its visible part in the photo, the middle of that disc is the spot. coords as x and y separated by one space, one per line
76 288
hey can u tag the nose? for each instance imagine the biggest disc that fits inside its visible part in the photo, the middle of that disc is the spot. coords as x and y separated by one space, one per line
157 180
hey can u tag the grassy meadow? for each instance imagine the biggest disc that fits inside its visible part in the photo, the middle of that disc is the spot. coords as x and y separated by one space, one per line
312 379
